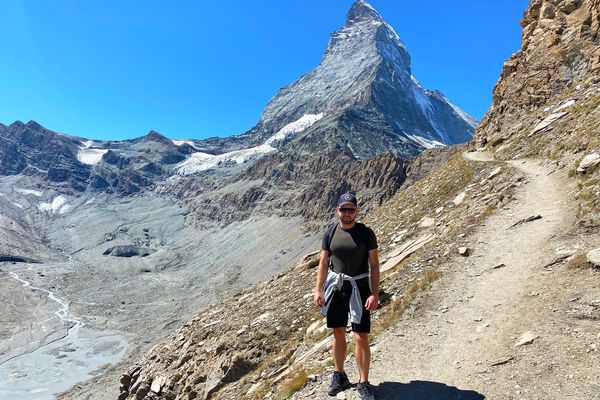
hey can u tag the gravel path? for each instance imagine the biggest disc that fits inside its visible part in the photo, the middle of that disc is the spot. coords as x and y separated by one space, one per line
459 340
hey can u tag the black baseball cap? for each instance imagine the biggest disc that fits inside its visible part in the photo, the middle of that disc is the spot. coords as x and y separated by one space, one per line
347 198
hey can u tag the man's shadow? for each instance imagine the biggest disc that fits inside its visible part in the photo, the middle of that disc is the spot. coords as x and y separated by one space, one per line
424 390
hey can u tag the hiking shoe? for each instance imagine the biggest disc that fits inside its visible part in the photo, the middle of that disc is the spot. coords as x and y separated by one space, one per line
365 391
339 382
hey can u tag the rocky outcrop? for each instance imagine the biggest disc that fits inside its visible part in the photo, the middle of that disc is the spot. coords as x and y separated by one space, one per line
128 251
72 164
30 149
546 100
546 103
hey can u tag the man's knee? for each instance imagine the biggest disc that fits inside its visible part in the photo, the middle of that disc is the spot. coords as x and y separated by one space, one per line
361 339
339 333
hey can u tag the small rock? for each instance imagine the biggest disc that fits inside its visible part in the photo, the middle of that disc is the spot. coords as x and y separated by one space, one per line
341 395
526 338
400 235
426 222
494 172
254 388
589 162
502 361
157 384
312 378
593 256
459 199
463 251
125 379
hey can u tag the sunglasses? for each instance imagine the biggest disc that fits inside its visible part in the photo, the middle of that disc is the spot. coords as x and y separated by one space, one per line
347 210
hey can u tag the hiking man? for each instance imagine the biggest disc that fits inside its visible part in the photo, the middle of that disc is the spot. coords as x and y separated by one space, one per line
349 248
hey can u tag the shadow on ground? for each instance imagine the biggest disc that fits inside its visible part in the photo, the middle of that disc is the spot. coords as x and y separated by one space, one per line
424 390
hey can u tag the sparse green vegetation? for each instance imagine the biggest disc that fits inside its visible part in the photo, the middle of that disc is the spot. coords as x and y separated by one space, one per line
294 382
587 106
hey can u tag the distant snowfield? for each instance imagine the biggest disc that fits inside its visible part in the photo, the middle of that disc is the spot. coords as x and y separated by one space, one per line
301 124
89 156
29 191
428 144
182 142
58 205
202 161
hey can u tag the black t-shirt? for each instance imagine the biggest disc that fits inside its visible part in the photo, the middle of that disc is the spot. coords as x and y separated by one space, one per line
349 250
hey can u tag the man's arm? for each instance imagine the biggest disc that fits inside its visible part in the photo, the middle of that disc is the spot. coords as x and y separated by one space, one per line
321 275
373 300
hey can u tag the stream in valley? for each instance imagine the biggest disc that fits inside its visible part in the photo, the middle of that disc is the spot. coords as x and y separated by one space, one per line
52 368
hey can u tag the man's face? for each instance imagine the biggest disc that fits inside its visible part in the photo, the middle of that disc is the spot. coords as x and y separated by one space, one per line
347 213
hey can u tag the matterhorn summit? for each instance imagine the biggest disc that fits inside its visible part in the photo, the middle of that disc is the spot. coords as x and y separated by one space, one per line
369 101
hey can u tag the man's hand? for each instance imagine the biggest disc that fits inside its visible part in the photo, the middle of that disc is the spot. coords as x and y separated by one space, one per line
318 299
372 302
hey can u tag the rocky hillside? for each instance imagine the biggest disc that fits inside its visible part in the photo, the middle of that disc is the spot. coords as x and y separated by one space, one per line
546 101
545 106
289 185
259 350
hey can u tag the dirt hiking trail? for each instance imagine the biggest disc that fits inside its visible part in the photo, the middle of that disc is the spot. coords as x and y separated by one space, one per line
459 339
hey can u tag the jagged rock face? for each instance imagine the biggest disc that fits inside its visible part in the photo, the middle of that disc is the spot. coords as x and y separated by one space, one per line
31 149
73 164
554 77
366 92
289 185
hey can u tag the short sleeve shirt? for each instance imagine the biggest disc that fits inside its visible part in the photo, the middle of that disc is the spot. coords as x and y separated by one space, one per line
349 250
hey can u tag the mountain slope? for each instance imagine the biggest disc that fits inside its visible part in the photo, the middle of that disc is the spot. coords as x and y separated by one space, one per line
448 299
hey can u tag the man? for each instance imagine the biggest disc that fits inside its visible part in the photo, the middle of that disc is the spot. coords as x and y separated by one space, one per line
348 250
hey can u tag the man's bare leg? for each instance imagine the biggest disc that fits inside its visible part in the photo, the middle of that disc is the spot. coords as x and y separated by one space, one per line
339 348
362 352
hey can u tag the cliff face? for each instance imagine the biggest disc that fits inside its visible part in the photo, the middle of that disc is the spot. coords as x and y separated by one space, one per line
546 100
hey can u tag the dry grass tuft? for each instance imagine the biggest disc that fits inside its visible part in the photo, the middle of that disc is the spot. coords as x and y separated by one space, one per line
393 311
578 261
294 382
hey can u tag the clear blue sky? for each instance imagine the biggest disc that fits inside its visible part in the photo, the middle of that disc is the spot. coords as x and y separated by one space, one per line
193 69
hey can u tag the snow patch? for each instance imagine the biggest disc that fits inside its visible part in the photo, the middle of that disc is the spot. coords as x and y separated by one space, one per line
428 144
90 156
56 206
301 124
199 161
29 191
182 142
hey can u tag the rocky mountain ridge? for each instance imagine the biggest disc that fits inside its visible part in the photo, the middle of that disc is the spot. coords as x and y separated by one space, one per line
365 89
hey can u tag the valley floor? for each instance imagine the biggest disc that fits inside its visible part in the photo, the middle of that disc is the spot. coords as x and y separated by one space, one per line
459 340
